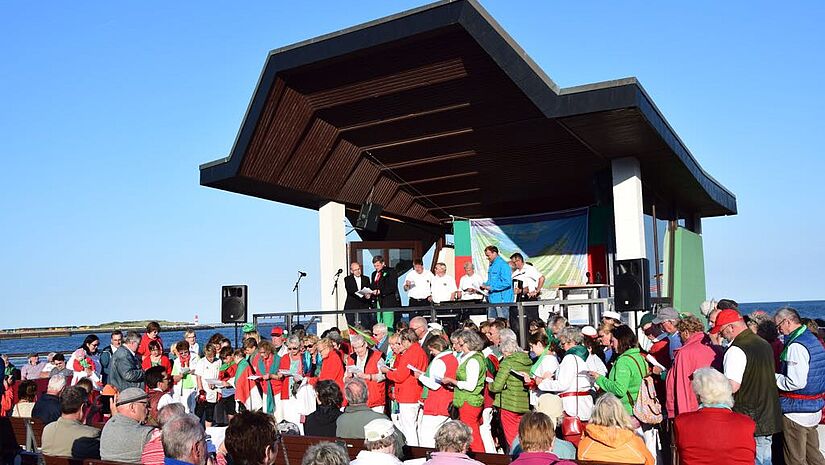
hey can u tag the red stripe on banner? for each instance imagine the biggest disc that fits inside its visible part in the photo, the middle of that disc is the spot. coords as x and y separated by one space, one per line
459 267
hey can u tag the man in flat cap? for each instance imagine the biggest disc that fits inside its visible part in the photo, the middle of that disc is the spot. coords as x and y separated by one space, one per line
124 435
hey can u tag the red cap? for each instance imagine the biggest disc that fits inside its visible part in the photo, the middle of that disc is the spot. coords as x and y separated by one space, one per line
725 317
277 331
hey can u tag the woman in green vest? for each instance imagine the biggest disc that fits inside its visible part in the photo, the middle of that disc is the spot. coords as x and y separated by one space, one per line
468 395
629 368
512 398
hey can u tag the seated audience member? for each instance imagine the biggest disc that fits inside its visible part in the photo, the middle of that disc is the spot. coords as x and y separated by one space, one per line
610 436
153 450
159 383
550 405
26 395
124 436
322 422
68 436
732 433
356 414
47 408
252 438
184 441
325 453
380 440
536 432
60 367
452 441
32 369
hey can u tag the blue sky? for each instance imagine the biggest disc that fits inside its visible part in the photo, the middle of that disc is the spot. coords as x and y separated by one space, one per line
107 111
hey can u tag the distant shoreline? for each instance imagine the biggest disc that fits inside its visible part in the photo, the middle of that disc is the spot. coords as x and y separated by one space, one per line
26 333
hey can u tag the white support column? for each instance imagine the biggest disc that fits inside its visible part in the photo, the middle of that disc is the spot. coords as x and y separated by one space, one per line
628 209
333 252
628 214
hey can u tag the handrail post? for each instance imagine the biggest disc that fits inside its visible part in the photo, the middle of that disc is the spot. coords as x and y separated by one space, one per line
522 330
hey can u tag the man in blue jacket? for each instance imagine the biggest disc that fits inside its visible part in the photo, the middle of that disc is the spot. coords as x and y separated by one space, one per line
499 284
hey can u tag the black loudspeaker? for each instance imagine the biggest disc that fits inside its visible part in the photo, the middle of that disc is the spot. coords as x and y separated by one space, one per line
368 217
233 304
632 285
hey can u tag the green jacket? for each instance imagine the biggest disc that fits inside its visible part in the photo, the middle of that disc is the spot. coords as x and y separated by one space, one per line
511 393
625 377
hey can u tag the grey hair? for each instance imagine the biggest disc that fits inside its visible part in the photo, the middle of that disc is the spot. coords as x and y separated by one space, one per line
131 336
471 339
509 346
571 334
380 328
180 434
355 390
57 383
790 314
293 340
706 307
610 412
468 265
506 334
453 436
356 338
711 387
325 453
170 411
387 443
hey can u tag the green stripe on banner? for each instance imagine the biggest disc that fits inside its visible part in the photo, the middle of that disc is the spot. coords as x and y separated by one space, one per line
461 237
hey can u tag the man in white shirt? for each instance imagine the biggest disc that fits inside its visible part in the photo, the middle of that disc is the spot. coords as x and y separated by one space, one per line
443 285
418 283
470 284
527 284
801 386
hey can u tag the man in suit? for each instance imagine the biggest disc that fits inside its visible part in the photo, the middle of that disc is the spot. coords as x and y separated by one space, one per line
126 368
385 290
354 283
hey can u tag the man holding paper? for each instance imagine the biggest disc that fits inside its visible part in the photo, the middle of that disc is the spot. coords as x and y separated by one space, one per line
355 284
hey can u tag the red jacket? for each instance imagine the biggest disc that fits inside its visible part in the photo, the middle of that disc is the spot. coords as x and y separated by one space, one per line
438 402
164 362
715 435
376 392
407 388
332 368
143 348
285 362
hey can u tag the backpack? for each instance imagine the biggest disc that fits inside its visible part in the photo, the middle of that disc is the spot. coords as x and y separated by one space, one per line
647 408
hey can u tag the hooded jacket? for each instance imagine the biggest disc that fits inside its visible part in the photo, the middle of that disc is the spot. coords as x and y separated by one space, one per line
613 445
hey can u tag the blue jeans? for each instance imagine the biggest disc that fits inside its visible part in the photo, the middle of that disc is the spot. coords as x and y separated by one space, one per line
763 450
499 312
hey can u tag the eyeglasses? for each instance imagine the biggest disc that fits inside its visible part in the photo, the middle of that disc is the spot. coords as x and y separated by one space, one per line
294 348
309 346
779 325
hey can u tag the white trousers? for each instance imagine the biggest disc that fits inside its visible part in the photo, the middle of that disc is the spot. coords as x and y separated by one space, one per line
406 423
291 410
486 430
427 426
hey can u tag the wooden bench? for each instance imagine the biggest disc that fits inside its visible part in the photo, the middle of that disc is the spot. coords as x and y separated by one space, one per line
56 460
20 431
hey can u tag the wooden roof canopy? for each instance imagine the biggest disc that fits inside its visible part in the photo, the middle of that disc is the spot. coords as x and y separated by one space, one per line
436 112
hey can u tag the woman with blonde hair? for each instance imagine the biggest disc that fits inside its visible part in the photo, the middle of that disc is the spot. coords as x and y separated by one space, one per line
610 436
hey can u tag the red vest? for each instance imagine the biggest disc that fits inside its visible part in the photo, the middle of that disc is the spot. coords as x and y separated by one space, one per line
407 387
437 402
376 394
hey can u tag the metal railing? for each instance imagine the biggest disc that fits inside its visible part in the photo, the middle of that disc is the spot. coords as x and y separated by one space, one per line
443 311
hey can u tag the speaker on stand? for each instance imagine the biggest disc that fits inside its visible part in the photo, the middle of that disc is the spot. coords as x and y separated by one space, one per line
368 217
632 285
233 306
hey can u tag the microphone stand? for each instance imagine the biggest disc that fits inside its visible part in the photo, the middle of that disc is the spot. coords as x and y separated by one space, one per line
335 288
297 291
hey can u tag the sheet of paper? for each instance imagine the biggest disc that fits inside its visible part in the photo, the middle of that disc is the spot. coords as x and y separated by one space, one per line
216 382
364 292
253 377
354 369
414 369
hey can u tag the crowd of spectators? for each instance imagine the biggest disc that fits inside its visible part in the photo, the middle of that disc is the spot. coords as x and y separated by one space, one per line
594 393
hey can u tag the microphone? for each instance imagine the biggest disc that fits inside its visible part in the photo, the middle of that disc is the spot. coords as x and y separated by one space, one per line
338 273
302 274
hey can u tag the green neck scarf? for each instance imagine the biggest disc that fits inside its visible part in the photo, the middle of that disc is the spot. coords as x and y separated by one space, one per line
791 337
539 360
579 351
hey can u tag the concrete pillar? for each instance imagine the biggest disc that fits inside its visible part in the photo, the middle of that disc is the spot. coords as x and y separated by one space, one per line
628 214
333 252
628 209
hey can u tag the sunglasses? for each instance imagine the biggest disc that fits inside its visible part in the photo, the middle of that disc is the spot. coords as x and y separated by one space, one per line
309 346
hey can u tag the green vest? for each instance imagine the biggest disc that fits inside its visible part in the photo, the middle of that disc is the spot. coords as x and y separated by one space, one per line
474 397
757 396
